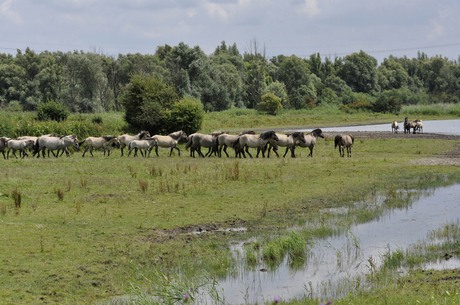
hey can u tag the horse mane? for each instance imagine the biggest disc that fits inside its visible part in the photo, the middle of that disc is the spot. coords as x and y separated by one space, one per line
176 135
247 132
143 134
297 134
218 133
108 138
266 135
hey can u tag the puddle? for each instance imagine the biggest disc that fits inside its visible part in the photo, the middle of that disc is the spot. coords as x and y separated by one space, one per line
241 229
340 258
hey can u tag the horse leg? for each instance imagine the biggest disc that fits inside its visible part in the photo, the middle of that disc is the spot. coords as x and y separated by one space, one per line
121 148
311 152
87 147
3 152
91 152
225 150
293 152
275 151
23 153
247 150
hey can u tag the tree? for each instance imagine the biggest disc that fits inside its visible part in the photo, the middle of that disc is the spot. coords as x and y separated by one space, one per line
187 115
270 103
148 103
359 71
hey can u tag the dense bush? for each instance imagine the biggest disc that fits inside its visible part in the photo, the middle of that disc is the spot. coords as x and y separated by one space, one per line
186 115
270 103
148 103
52 110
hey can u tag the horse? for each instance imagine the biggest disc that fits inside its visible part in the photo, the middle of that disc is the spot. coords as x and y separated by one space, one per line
408 125
55 143
125 139
310 140
170 141
104 142
36 138
198 140
419 126
394 127
343 141
255 141
146 145
287 140
225 140
4 145
20 145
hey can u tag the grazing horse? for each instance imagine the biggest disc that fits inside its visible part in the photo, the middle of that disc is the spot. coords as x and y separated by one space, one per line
170 141
20 145
343 141
310 140
4 145
287 140
146 145
255 141
198 140
125 139
104 142
55 143
394 127
225 140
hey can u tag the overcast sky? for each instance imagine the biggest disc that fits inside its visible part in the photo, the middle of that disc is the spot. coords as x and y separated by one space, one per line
299 27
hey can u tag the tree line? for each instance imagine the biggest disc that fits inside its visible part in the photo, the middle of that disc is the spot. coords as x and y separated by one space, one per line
88 82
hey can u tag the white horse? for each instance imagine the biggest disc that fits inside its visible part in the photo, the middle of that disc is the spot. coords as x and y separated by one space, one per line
170 141
310 140
20 145
225 140
419 126
55 143
394 127
125 139
146 145
104 142
287 140
255 141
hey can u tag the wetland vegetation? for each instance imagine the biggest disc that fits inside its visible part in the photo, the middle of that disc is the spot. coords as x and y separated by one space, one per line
94 230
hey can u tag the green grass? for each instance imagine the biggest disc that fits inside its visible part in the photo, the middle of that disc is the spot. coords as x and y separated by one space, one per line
90 229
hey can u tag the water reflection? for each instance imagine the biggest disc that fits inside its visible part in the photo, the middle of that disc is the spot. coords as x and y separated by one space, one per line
339 258
447 127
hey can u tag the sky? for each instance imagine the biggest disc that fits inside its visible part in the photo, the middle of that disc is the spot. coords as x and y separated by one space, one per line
290 27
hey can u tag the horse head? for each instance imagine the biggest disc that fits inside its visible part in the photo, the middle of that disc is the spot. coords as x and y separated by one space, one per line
317 133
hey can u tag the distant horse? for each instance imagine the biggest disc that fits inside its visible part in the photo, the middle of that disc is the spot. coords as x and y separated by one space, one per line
198 140
147 144
287 140
419 126
125 139
55 143
226 140
36 138
408 125
310 140
394 127
104 142
170 141
255 141
4 145
20 145
343 141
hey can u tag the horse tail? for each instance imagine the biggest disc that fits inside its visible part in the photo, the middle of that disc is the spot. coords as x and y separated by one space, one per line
189 142
352 139
337 141
82 142
235 142
36 147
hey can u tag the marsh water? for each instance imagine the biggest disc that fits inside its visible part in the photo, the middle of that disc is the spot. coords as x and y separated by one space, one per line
341 257
448 127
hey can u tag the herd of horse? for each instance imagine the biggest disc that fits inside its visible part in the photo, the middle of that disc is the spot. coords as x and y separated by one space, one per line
408 125
216 142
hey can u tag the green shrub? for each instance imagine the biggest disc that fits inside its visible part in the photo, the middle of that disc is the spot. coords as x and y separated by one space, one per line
186 115
270 103
52 110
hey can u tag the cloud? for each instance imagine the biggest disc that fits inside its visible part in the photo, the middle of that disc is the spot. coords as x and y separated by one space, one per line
436 32
5 9
309 8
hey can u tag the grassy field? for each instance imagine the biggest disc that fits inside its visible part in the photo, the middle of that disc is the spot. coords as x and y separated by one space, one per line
85 230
